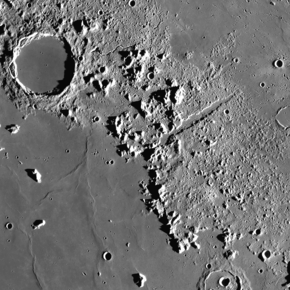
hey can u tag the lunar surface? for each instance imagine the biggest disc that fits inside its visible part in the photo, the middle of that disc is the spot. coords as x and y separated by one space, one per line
145 144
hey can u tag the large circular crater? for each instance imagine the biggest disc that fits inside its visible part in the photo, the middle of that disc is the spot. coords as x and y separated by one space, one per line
45 65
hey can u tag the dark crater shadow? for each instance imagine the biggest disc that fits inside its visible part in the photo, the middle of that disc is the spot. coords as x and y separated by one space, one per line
69 66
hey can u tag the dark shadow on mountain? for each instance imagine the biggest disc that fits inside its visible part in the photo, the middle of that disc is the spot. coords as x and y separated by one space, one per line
287 278
137 105
31 174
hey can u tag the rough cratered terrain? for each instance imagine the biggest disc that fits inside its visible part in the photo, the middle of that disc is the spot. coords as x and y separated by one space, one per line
164 150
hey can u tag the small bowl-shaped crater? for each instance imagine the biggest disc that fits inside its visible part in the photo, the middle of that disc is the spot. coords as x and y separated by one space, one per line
102 69
260 271
9 226
95 119
150 76
107 256
266 254
224 281
236 60
278 63
208 266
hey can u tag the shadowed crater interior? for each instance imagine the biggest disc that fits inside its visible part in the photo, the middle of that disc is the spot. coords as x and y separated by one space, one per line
46 65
